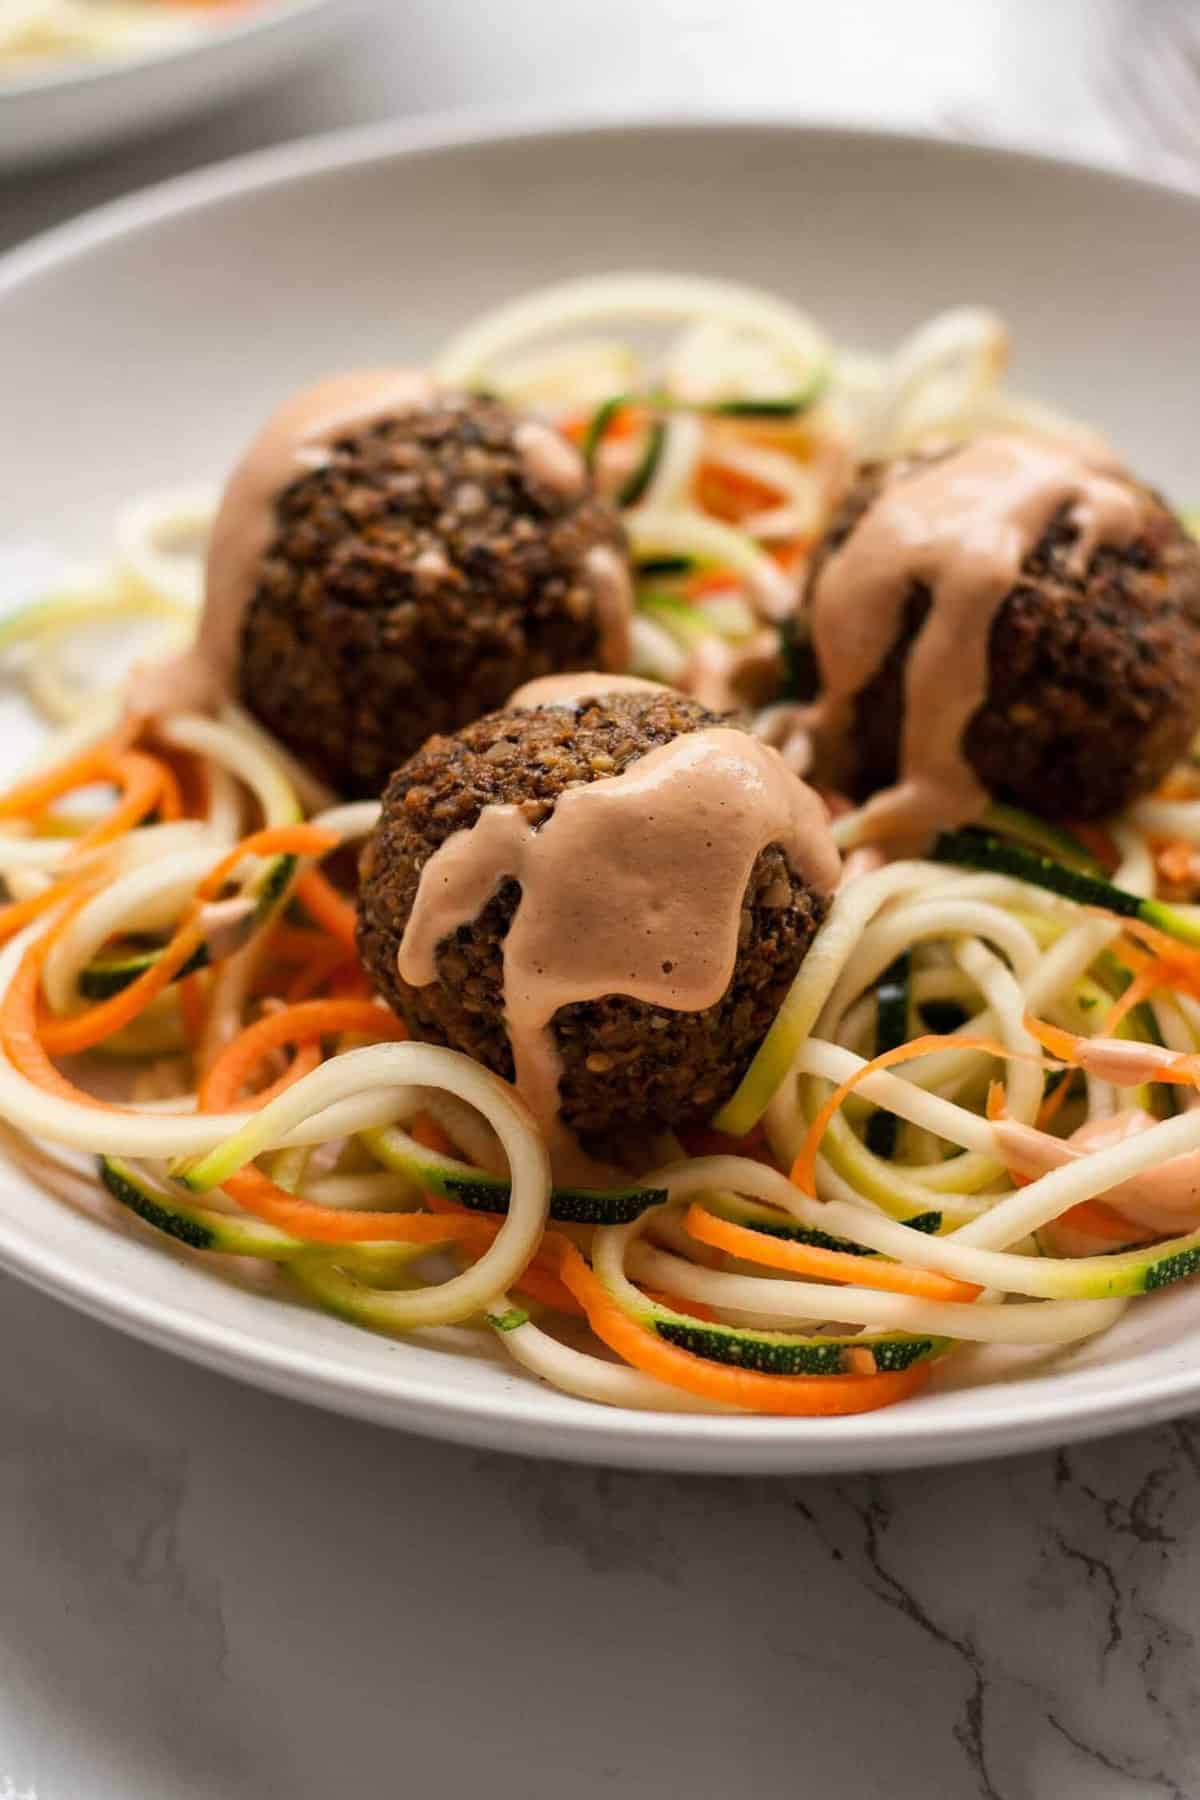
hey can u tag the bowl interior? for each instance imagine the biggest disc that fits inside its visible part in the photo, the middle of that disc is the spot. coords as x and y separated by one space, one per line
139 349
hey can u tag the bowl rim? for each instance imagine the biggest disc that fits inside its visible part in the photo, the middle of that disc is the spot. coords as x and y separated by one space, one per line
65 77
521 1420
297 159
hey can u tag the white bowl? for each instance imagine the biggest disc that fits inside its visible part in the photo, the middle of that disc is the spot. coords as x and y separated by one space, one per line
142 344
56 108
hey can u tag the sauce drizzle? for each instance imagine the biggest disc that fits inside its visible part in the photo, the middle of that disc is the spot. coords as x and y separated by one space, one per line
634 885
962 526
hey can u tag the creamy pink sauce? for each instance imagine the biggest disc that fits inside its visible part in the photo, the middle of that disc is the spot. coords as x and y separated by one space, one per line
963 526
1166 1198
633 886
549 460
295 440
569 690
607 574
1122 1061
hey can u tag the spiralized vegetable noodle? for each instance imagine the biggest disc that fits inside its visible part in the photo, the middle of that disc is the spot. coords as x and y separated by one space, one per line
909 1165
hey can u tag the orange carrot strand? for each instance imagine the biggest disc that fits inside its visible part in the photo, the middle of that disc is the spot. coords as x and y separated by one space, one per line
297 1026
788 1395
803 1173
820 1263
323 904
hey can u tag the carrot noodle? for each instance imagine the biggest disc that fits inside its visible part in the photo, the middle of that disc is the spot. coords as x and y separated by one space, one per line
63 1037
19 1020
1052 1105
19 913
299 1026
804 1166
1156 974
326 907
731 494
1062 1044
824 1265
307 1219
296 944
31 797
192 1007
329 965
144 782
278 840
1074 1052
794 1395
427 1131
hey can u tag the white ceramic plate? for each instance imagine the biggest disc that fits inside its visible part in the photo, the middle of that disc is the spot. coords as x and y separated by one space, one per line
61 107
142 344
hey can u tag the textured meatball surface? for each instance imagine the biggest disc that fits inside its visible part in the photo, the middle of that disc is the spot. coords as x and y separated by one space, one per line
626 1065
414 579
1093 679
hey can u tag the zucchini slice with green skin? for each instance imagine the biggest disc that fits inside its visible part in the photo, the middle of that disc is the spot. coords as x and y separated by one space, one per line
891 1030
974 849
756 1217
1036 834
684 623
340 1291
636 483
108 973
787 406
273 884
769 1352
199 1227
511 1320
481 1192
340 1283
1142 1270
778 1352
599 423
782 406
665 565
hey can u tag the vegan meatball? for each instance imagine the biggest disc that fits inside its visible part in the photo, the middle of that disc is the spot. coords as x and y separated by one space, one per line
622 1062
432 563
1089 675
389 561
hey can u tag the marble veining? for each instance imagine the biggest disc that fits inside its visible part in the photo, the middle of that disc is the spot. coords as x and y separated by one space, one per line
210 1594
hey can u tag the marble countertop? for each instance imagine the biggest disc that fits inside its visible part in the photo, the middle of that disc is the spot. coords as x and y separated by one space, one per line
210 1594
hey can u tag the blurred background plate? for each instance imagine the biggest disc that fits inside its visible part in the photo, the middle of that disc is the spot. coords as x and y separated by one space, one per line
63 106
141 345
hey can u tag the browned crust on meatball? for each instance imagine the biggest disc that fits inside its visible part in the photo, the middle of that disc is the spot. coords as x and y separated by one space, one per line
1093 679
626 1065
413 582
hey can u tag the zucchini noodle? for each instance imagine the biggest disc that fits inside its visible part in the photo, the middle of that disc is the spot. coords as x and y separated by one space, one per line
186 1034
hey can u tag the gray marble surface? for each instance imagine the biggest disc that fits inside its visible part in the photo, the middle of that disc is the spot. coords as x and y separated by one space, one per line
209 1594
